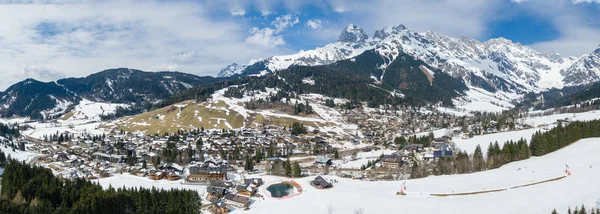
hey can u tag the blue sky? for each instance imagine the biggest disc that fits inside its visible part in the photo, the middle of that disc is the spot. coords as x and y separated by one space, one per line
52 39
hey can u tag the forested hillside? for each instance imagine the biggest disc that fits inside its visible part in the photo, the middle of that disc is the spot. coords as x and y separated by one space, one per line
33 189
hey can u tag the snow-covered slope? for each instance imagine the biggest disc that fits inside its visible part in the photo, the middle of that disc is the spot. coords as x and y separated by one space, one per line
585 70
90 111
348 196
231 70
352 42
496 64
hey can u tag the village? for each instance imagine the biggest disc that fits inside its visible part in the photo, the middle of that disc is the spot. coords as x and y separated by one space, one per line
230 162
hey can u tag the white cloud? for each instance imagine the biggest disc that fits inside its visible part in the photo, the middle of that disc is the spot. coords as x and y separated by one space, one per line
575 38
238 12
49 41
284 21
265 37
314 24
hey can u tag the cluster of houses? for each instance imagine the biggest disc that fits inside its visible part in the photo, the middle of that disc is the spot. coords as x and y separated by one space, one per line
222 194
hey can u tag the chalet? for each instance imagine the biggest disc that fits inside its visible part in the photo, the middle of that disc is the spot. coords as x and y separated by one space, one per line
218 207
109 157
156 175
246 189
320 183
414 147
208 171
236 200
392 161
172 167
172 176
215 192
443 151
222 184
272 161
323 161
256 181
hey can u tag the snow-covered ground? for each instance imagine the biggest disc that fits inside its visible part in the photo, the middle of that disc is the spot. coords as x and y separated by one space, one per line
349 195
584 116
477 99
91 111
484 140
362 158
41 129
19 155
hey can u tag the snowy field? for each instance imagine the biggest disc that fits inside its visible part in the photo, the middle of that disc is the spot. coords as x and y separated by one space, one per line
380 197
41 129
584 116
362 158
26 156
484 140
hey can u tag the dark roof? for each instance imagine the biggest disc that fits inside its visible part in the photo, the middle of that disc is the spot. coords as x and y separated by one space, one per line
258 181
209 167
216 190
392 158
237 198
321 182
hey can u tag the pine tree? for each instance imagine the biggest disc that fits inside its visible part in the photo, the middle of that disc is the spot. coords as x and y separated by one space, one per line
336 155
288 168
296 171
478 161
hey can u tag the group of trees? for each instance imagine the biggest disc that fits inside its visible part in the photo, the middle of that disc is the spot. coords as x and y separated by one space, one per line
561 136
581 210
285 168
511 151
33 189
461 162
298 128
11 130
58 137
423 140
541 143
3 158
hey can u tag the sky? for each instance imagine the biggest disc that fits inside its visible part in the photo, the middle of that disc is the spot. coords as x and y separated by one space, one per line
52 39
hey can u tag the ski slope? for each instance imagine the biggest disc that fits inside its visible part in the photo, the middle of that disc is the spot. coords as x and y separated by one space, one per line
349 195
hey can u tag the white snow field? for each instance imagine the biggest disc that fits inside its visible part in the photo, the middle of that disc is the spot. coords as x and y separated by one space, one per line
544 120
19 155
484 140
349 195
88 110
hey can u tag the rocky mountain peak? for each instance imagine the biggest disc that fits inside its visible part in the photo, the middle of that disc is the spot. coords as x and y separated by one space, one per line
387 31
231 70
353 33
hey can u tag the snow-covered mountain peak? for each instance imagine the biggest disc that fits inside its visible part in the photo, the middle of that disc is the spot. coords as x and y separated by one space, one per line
353 34
389 30
231 70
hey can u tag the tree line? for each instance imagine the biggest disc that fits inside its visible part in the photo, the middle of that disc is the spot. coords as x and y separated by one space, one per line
34 189
561 136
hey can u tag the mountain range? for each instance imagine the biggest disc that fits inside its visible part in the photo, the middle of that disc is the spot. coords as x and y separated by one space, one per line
496 64
395 66
41 100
